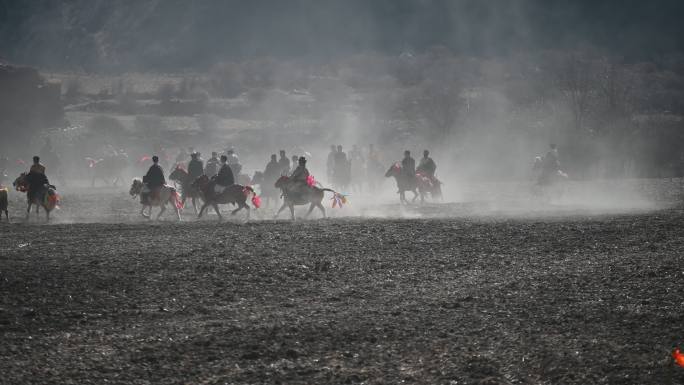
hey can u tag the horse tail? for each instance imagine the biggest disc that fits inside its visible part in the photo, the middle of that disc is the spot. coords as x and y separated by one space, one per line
177 199
329 190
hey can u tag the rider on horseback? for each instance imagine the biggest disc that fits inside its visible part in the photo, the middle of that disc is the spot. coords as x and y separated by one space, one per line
550 166
299 177
195 166
37 180
427 167
154 180
225 177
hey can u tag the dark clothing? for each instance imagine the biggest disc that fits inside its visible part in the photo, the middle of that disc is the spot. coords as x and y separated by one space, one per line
195 168
300 174
272 171
284 164
408 167
551 164
212 167
225 176
154 177
427 166
36 184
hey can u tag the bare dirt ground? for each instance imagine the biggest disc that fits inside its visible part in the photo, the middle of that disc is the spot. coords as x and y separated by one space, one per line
458 293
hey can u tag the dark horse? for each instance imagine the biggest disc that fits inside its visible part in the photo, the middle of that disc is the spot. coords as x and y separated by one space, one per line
46 197
187 191
235 194
300 195
404 183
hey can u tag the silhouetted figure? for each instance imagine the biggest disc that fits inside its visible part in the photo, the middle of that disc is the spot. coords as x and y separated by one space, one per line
426 165
284 163
195 166
153 180
225 176
408 166
342 169
212 166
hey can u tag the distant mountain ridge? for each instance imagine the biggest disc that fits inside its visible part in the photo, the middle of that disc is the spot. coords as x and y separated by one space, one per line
171 35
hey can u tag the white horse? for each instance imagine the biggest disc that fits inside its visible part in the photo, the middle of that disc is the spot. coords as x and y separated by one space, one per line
167 194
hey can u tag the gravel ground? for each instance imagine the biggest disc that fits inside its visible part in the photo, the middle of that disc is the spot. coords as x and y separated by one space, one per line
437 294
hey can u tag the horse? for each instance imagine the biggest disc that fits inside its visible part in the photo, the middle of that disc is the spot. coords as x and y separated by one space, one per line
235 194
403 184
46 197
167 194
427 185
103 168
548 185
187 191
312 195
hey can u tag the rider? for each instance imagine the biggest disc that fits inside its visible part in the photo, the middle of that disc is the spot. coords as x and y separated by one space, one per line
550 165
341 172
212 165
284 163
225 177
36 178
299 176
427 166
195 166
295 163
408 165
154 180
272 171
234 162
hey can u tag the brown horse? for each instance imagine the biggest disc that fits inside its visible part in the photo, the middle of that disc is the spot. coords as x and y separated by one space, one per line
403 183
297 195
167 194
46 197
187 191
234 194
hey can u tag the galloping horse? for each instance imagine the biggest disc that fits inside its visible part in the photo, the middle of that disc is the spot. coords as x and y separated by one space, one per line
403 183
167 194
311 195
187 190
234 194
105 168
46 197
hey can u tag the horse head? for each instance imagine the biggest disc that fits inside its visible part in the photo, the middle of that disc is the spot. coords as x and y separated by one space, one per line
136 187
200 183
178 174
21 184
280 183
394 170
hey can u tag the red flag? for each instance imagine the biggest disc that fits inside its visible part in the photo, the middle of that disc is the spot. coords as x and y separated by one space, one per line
678 357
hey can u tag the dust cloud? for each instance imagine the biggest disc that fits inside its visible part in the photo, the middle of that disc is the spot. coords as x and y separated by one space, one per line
486 87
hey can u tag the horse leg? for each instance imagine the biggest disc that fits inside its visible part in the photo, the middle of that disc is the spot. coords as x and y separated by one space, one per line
28 211
292 211
47 214
163 208
194 204
178 213
204 206
216 208
415 196
280 210
320 206
402 197
311 207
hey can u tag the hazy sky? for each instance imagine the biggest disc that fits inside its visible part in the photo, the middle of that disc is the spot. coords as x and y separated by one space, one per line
178 34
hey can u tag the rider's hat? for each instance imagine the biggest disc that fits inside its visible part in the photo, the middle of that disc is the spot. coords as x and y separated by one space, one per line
302 159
